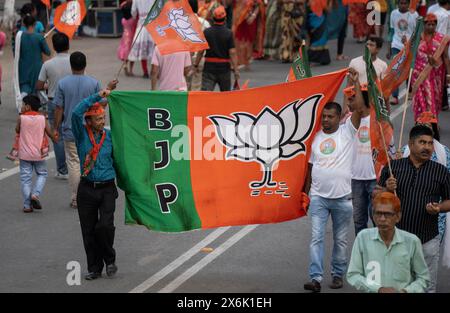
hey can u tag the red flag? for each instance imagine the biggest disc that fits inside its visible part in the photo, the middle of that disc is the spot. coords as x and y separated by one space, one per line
68 16
47 3
177 29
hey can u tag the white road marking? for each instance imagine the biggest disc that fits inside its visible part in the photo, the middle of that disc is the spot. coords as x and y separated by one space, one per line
177 282
179 261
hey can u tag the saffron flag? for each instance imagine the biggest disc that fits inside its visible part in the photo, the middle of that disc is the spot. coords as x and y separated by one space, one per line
300 68
68 16
175 27
398 70
190 160
46 2
381 131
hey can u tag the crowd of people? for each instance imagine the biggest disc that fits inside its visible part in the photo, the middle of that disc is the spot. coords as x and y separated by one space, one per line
407 204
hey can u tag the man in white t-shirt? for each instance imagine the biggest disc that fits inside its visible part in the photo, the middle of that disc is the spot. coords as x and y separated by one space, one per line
170 70
441 10
329 185
402 25
51 72
374 44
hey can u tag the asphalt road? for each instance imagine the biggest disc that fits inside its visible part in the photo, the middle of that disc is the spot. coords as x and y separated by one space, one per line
36 248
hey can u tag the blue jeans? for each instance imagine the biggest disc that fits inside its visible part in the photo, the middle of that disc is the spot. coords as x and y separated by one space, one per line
395 51
26 179
341 216
362 202
60 155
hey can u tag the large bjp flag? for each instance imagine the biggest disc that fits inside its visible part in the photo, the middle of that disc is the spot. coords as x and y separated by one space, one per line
190 160
174 27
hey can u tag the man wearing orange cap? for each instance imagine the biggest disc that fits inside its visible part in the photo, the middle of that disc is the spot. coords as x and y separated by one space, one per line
221 56
97 190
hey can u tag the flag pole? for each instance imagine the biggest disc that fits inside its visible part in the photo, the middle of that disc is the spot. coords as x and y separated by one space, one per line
405 107
49 32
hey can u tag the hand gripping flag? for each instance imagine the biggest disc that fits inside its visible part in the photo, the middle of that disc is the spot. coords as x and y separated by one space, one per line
300 68
69 15
174 27
190 160
403 62
381 131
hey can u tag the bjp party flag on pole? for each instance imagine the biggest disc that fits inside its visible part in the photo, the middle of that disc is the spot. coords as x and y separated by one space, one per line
174 27
68 16
300 68
191 160
381 130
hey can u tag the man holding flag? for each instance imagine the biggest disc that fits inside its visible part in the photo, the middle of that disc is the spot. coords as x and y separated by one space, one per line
329 185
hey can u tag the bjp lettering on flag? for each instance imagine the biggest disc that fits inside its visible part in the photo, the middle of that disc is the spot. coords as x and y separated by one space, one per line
69 15
190 160
174 27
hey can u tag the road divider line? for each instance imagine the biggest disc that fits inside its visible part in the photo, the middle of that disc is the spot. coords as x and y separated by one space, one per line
207 259
179 261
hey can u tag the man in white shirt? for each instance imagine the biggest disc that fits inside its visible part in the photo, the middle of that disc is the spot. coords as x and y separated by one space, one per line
51 72
329 185
441 10
374 45
402 25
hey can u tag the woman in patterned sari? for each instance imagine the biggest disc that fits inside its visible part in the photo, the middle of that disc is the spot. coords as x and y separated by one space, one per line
272 37
293 16
428 77
248 28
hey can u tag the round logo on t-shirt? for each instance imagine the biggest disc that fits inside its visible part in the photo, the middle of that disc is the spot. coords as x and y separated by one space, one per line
328 146
402 25
363 134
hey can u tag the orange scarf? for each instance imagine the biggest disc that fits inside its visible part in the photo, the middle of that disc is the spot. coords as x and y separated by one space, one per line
91 157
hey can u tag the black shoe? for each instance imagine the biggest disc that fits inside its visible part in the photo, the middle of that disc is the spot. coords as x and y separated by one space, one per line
337 283
92 276
313 286
111 269
35 203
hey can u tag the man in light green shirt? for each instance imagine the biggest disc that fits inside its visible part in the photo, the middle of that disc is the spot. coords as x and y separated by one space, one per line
386 259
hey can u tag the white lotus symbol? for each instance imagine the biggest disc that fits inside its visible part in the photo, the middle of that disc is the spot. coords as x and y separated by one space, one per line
72 14
268 137
181 24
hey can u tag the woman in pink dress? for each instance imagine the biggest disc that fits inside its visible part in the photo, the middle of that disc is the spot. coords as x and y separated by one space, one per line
428 79
129 27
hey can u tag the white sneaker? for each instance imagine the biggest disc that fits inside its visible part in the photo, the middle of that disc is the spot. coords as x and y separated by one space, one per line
58 175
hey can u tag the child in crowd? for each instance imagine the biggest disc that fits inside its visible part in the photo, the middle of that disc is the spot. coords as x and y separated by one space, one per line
32 128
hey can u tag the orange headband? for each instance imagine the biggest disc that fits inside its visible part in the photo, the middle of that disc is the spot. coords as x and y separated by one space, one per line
96 109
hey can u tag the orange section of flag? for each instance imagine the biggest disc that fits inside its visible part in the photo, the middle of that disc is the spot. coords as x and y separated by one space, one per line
379 152
413 5
237 199
68 16
47 3
318 6
177 29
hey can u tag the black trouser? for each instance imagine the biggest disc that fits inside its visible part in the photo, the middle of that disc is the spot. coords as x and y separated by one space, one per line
96 206
209 81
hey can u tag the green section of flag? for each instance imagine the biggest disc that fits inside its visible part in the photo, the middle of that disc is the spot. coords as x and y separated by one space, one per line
375 96
154 11
300 66
415 39
136 151
88 3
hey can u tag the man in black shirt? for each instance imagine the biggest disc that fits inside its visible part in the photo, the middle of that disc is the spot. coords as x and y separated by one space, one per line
423 187
221 56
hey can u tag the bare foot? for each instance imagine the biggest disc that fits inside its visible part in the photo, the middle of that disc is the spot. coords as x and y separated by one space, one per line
342 57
